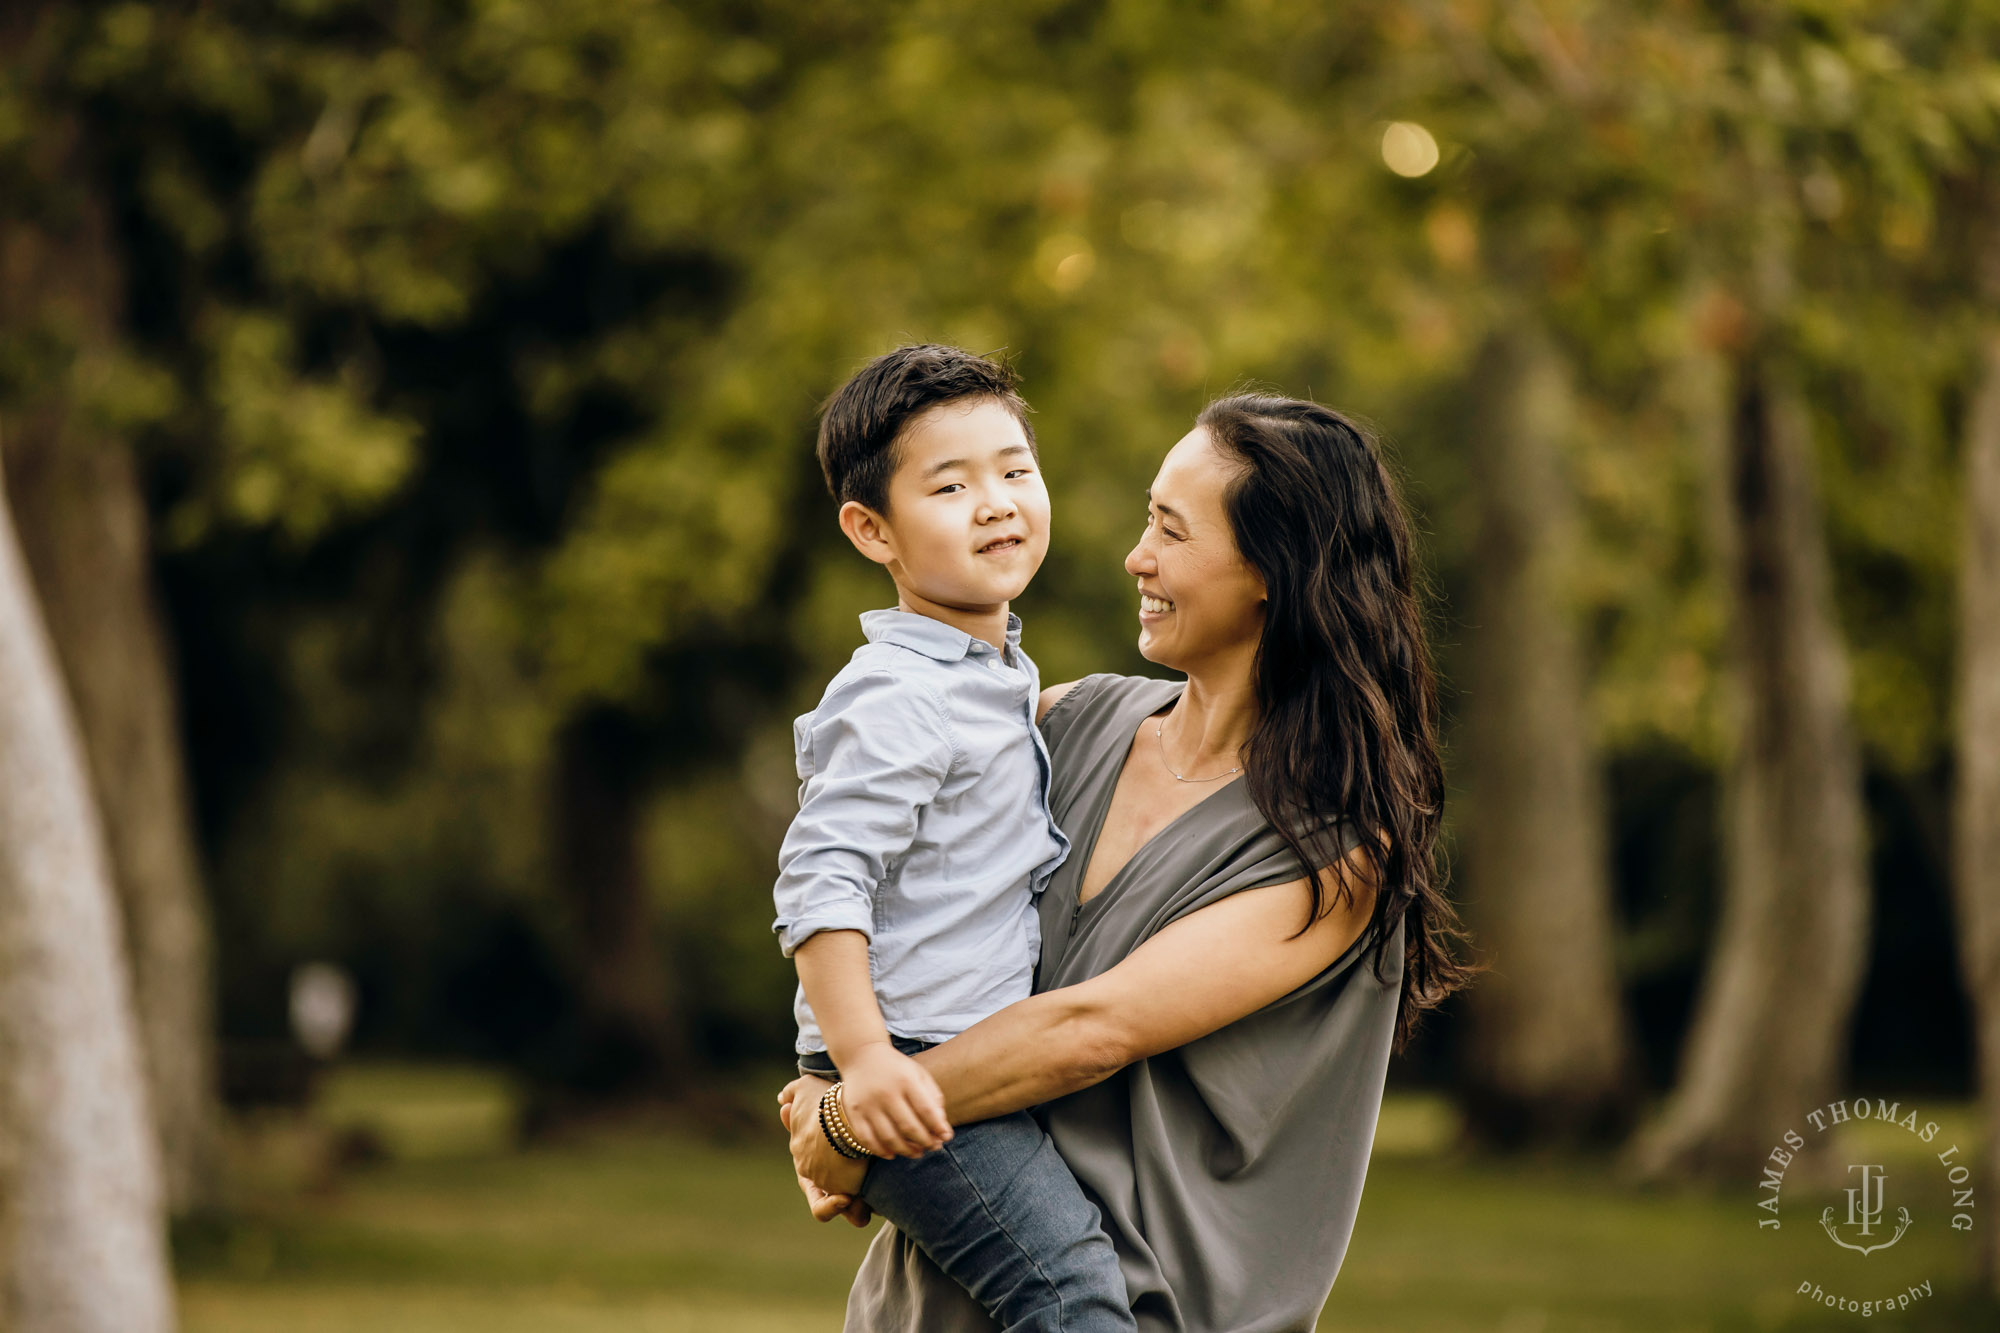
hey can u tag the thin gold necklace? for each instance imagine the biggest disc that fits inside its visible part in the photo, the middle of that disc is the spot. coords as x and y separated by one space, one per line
1157 730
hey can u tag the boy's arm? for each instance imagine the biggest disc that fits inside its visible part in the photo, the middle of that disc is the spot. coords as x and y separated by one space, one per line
875 754
892 1103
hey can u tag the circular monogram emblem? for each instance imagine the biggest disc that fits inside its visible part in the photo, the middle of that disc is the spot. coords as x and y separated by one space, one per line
1903 1178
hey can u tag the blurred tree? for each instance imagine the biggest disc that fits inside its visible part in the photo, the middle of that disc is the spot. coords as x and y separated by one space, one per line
407 303
1770 1033
1548 1053
1541 185
86 534
1815 127
1770 1030
82 1234
637 1037
1977 812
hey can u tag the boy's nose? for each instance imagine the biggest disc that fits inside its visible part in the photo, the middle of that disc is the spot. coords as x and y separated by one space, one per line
993 508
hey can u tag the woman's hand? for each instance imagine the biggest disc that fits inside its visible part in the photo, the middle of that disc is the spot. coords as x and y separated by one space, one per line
825 1207
829 1181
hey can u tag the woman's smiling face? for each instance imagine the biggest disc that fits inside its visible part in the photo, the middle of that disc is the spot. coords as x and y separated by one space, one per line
1199 599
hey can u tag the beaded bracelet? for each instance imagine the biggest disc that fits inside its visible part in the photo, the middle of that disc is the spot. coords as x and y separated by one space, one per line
841 1125
826 1126
833 1124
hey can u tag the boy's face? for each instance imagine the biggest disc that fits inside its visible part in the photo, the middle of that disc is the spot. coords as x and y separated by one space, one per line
968 520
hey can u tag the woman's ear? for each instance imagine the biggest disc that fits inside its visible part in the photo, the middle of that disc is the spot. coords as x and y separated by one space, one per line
868 530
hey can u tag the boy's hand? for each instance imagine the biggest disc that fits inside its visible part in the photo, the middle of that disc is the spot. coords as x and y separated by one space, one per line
893 1104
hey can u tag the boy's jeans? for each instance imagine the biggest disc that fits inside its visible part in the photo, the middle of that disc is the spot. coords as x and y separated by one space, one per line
999 1211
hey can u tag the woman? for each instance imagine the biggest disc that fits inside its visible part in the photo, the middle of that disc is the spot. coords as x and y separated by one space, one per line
1250 917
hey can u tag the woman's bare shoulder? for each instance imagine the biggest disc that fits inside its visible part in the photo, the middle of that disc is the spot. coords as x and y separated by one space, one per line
1052 696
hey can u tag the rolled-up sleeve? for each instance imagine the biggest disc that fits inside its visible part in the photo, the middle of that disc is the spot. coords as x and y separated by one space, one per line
872 756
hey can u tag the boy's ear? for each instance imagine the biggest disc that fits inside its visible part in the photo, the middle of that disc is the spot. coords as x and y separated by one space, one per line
868 530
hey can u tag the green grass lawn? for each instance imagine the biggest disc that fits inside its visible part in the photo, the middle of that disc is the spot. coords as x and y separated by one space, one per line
658 1231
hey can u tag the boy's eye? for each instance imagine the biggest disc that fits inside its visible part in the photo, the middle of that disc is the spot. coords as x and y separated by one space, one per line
1020 472
947 490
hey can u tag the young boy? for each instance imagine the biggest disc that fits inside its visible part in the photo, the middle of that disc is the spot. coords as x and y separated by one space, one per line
907 883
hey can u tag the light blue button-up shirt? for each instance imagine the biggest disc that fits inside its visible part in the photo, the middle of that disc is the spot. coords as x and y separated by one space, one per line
924 824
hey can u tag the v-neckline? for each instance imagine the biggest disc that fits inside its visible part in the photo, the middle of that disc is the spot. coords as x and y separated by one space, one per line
1103 815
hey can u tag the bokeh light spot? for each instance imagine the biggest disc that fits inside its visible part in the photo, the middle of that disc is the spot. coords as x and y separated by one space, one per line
1408 149
1065 262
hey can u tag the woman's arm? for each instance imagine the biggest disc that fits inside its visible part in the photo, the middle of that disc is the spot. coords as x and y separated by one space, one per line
1050 697
1204 972
1201 973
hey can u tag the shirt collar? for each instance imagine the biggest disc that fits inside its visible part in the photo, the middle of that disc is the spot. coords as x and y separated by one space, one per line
932 638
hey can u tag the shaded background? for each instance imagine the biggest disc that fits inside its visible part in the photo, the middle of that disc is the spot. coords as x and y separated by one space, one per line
444 377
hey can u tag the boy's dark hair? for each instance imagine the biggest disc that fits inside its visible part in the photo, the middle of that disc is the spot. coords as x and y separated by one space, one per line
859 425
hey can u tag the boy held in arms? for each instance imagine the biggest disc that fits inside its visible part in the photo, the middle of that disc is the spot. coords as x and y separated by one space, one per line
907 883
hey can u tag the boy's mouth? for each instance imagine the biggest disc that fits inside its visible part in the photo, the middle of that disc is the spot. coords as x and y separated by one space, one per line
999 544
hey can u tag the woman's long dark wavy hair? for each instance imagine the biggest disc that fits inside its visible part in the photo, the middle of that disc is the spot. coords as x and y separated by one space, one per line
1347 731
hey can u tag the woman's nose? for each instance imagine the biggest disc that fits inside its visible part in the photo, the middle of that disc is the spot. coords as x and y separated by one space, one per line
1139 560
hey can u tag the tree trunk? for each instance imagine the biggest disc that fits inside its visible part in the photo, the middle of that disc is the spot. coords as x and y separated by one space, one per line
1976 820
1549 1053
83 528
632 1040
81 1240
86 542
1768 1042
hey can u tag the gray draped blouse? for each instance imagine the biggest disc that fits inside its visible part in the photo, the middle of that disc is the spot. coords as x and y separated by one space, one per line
1229 1170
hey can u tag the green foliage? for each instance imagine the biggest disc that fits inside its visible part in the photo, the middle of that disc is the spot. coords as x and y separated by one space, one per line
476 347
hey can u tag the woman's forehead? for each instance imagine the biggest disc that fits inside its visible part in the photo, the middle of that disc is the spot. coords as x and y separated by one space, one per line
1192 475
